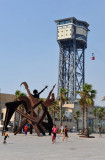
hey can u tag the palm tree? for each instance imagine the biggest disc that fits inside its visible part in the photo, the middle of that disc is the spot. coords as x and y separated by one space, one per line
54 109
18 94
39 107
76 117
101 114
87 100
95 114
62 99
63 114
82 104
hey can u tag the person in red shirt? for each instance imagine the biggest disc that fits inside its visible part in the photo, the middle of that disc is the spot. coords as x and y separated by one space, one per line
25 129
54 131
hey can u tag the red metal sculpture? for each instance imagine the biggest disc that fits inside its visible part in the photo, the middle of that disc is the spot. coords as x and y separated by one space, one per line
30 103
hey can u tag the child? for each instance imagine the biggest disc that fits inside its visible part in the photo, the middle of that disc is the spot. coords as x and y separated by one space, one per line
5 136
25 129
65 134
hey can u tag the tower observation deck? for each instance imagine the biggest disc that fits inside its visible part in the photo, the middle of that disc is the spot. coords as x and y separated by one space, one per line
72 40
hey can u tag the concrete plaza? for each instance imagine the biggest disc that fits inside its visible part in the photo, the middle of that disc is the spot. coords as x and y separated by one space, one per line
31 147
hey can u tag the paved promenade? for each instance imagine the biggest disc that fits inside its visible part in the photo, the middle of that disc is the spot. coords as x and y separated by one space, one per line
31 147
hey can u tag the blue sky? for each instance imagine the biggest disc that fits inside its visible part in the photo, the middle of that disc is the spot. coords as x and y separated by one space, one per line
29 50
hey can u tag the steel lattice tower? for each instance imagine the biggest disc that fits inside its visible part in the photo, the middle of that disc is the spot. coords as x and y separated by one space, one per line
72 40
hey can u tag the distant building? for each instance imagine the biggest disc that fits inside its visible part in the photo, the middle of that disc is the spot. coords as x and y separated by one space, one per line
4 98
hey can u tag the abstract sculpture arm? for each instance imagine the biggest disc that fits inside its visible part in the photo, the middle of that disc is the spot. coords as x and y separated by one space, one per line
32 99
50 93
43 89
49 101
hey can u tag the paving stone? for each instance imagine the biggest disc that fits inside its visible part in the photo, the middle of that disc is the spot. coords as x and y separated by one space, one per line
32 147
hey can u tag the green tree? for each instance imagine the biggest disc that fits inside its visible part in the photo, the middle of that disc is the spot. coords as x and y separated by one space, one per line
87 99
101 114
62 99
76 117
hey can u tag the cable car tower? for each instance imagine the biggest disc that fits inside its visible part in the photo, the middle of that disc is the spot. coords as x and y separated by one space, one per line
72 40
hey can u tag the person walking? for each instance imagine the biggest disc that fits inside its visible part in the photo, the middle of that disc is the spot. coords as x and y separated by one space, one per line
65 134
61 130
99 131
54 131
5 136
25 130
52 137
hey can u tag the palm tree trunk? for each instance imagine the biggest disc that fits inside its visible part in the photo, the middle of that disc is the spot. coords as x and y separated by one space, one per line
86 122
77 125
54 117
52 114
61 114
82 131
95 123
101 124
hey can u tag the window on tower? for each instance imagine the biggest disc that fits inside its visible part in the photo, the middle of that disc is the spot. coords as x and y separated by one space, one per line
81 24
65 22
